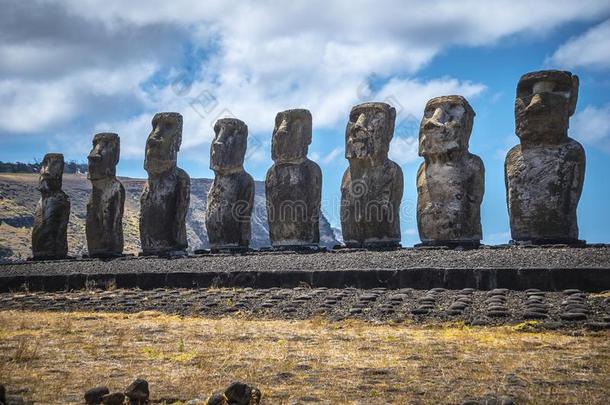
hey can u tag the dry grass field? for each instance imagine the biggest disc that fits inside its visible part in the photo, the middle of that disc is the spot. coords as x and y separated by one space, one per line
52 357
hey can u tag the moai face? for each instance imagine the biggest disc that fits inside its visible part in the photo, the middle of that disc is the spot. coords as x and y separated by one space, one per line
291 135
104 156
545 101
228 149
163 143
446 126
51 173
369 131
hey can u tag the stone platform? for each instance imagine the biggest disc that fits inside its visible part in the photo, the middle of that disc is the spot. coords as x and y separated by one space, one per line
550 310
515 268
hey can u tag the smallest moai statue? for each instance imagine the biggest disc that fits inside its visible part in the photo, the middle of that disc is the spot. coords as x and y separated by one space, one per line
450 181
104 225
50 231
231 196
293 185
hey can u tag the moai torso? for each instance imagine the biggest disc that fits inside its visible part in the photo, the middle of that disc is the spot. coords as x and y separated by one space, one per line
372 186
165 198
50 231
104 226
450 182
293 185
543 190
231 196
544 174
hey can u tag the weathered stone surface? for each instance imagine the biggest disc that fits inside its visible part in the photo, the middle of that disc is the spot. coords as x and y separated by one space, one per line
94 395
50 231
293 185
372 186
239 393
138 391
544 174
104 226
450 182
116 398
231 197
217 398
165 198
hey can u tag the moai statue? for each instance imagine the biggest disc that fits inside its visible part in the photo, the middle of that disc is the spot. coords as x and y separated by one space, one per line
293 185
231 197
104 227
544 174
450 181
371 189
165 198
50 232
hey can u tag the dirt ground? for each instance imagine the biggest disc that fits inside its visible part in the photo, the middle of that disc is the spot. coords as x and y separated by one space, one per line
53 357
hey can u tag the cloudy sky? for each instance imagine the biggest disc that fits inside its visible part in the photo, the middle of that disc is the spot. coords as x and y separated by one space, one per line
69 69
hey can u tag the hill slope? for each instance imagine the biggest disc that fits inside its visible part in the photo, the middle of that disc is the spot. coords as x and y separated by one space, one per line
18 198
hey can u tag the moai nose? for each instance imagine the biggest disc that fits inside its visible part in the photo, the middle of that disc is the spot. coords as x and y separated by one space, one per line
361 121
535 104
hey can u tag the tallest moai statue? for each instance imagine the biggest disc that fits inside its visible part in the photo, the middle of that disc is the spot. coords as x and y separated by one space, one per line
372 186
166 195
544 174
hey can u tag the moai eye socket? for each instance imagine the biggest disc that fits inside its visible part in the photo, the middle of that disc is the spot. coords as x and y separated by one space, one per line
353 117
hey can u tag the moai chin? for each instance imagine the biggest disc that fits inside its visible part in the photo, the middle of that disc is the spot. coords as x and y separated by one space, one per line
50 231
165 198
231 196
544 174
450 181
293 185
372 186
104 226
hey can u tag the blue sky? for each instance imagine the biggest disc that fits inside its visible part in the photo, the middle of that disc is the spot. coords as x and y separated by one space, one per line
69 69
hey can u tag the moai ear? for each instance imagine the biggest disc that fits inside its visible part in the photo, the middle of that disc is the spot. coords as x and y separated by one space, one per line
573 95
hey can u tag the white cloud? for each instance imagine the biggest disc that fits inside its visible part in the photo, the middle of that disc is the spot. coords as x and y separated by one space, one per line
591 49
498 238
260 58
404 150
592 126
332 155
410 232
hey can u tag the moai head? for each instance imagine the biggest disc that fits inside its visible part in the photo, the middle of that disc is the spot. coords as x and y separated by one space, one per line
228 148
291 135
163 143
446 126
51 173
369 132
104 156
545 101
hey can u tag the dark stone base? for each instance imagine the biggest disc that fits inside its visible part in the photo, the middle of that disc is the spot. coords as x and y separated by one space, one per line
165 254
450 244
108 256
295 248
232 250
546 279
47 258
377 246
568 242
